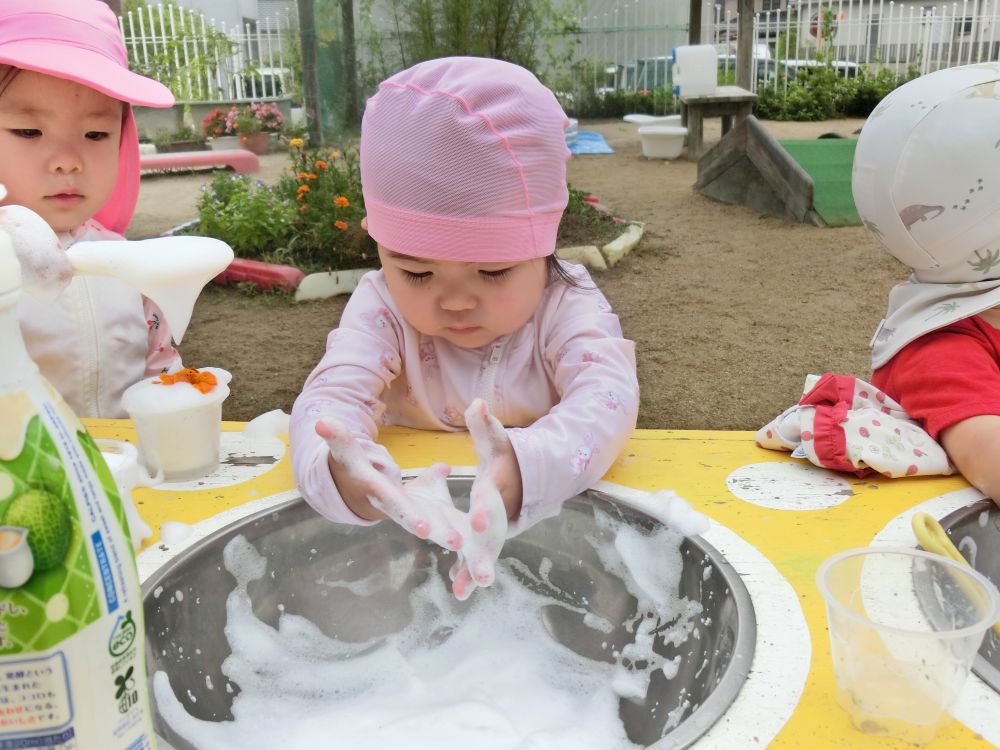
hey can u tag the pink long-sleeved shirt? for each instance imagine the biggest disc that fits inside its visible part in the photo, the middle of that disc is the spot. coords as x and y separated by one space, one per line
564 385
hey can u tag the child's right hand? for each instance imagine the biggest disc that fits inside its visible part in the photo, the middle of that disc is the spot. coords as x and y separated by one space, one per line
45 269
423 506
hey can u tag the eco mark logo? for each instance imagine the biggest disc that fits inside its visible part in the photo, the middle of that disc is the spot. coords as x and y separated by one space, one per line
122 635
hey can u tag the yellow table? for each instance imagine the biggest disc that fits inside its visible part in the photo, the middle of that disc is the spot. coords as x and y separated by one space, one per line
791 515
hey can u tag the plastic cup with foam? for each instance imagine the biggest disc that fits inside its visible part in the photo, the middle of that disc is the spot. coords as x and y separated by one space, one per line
178 426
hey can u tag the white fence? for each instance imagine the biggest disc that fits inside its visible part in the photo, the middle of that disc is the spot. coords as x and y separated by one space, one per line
874 33
201 60
628 47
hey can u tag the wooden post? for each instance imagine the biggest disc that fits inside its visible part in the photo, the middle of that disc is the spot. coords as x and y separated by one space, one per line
350 65
310 78
747 39
694 24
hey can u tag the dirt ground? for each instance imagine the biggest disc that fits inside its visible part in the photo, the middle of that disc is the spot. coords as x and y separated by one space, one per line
729 309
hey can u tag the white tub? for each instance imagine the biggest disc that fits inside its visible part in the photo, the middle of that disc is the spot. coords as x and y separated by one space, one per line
640 119
662 141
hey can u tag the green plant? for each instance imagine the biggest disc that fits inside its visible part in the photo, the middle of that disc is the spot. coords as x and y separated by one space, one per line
249 215
185 133
326 186
513 30
857 97
311 218
245 122
820 94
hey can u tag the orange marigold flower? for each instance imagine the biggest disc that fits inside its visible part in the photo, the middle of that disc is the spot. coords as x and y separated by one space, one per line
340 224
303 208
334 154
303 189
302 176
203 381
296 143
341 201
320 164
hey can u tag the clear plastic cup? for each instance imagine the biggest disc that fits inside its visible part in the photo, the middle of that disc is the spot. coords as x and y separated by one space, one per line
178 426
905 626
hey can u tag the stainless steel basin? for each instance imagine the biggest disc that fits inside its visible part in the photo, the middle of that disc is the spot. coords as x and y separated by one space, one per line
185 638
975 530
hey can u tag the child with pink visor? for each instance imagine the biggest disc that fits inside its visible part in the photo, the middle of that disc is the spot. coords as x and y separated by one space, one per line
471 324
69 151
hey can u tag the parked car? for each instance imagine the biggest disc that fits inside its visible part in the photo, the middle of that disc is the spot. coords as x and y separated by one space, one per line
263 82
767 70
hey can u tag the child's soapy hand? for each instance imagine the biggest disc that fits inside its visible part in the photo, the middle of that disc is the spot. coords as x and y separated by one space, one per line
423 506
45 269
499 477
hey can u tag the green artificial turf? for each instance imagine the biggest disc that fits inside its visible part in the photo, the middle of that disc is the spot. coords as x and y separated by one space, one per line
828 161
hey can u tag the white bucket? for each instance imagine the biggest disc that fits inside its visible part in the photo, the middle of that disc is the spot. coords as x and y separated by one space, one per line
695 69
662 141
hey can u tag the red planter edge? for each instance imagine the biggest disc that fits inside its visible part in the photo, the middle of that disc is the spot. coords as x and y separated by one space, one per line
265 276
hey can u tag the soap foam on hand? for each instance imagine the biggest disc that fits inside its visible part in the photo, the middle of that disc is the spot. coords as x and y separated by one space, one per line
45 269
498 681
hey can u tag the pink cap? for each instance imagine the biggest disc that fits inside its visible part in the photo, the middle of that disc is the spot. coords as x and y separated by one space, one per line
464 158
79 40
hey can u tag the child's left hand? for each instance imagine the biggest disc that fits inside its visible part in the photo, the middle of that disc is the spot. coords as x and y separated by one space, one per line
497 479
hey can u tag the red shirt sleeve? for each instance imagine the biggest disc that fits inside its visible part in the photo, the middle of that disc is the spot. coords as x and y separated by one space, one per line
946 376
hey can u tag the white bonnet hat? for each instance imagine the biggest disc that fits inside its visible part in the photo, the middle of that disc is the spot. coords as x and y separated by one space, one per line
926 182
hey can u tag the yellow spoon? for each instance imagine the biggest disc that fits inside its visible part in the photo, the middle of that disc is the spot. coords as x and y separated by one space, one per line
932 537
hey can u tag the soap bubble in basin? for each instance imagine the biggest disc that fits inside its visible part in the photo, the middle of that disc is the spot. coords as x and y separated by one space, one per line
360 594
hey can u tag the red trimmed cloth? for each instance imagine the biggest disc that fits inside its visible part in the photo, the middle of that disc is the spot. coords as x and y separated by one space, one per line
845 424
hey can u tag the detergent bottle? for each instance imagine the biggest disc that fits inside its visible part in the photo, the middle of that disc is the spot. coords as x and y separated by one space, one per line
72 659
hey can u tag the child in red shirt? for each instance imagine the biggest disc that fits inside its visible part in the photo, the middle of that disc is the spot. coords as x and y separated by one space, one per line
927 185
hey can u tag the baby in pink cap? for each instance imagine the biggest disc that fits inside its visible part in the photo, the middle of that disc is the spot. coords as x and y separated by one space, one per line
471 324
69 152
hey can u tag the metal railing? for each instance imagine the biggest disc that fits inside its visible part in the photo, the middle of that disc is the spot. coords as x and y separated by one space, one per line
873 33
627 46
200 59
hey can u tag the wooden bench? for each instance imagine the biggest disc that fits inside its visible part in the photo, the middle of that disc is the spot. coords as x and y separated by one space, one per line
239 159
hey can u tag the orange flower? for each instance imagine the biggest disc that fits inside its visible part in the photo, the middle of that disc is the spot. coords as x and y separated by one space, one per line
303 189
341 202
334 154
320 164
203 381
302 176
296 143
340 224
303 208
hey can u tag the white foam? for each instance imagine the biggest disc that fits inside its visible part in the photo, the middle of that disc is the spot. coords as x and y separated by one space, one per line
486 675
173 532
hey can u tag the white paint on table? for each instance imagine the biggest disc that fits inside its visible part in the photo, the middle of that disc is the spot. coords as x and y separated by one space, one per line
787 486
